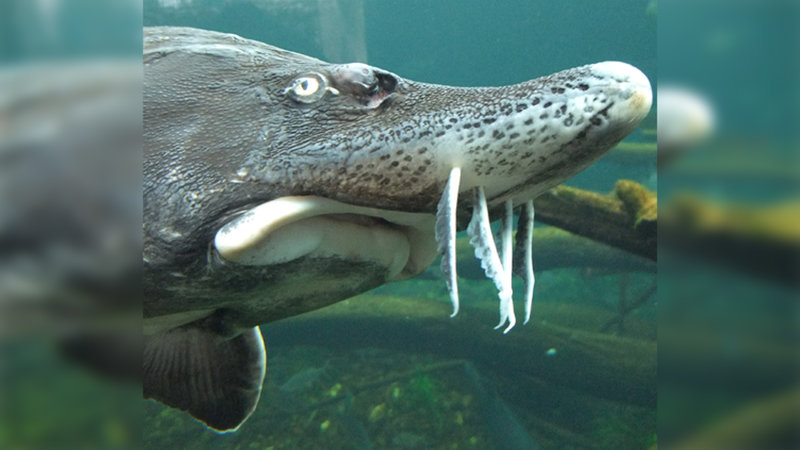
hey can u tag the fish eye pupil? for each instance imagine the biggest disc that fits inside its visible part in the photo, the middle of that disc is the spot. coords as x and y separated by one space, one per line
306 86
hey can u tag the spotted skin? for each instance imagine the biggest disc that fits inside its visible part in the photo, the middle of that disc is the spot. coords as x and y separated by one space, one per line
226 128
532 134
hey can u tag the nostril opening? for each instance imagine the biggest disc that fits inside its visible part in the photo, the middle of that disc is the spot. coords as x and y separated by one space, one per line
387 82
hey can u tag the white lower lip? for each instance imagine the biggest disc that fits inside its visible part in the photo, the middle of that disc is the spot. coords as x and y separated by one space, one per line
289 228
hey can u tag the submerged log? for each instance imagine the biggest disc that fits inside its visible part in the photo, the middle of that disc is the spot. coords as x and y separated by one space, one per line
626 219
766 423
554 248
628 153
763 240
615 368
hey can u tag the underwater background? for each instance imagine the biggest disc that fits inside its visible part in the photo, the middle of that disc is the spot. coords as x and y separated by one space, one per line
707 359
390 368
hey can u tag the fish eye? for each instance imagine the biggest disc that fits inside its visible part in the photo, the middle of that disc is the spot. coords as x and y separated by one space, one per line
307 88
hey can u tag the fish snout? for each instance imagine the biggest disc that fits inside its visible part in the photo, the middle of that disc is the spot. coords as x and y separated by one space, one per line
628 86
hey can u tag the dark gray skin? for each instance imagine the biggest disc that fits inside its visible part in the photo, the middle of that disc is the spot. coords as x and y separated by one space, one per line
224 132
200 128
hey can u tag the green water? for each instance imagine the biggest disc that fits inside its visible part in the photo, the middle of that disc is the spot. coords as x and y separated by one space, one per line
394 375
466 43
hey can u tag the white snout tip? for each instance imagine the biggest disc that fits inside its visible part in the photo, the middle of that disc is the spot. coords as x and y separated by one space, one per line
622 72
630 81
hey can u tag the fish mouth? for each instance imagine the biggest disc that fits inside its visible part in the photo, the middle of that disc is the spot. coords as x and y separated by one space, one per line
290 228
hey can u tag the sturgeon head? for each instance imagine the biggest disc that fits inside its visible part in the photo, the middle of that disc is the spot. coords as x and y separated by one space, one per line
276 183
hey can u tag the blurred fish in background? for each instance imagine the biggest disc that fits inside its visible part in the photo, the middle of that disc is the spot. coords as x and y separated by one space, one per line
685 120
70 223
729 370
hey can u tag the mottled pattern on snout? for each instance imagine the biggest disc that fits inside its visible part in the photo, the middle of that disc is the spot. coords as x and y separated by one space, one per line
533 134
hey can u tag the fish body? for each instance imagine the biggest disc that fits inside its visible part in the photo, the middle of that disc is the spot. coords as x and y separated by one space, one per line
276 183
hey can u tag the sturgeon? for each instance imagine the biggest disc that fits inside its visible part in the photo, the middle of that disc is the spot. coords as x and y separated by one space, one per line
276 184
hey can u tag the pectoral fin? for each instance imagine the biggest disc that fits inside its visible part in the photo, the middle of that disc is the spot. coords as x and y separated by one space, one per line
212 373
